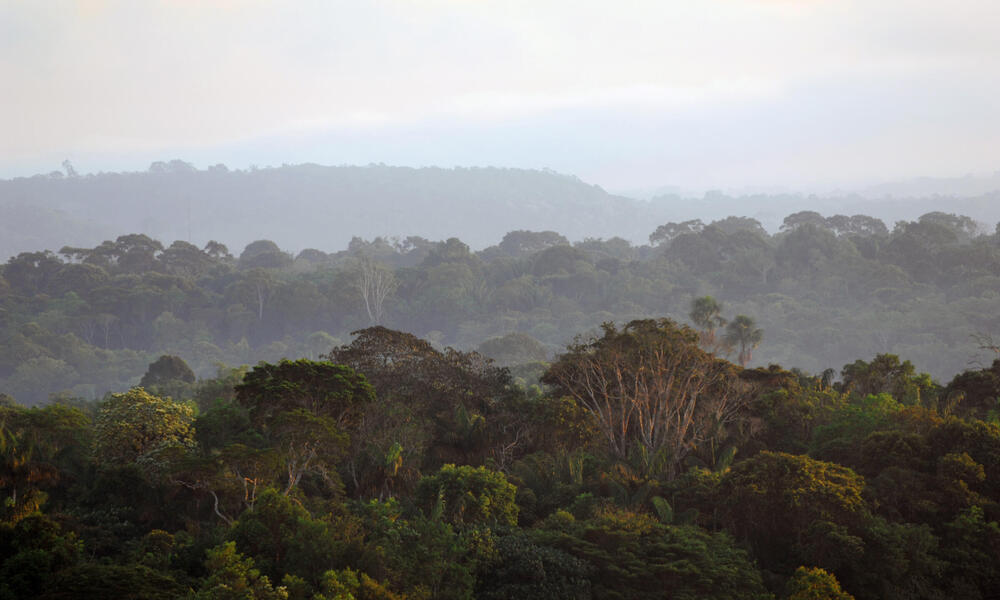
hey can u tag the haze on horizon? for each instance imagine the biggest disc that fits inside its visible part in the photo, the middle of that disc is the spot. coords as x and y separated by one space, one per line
721 93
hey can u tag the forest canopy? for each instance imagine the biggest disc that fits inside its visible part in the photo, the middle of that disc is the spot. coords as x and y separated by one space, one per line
391 469
826 290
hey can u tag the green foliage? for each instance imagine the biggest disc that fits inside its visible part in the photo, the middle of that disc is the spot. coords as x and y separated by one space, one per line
840 439
351 585
742 333
321 388
520 568
775 501
168 376
424 557
37 446
900 561
975 392
165 369
706 313
305 408
468 496
885 374
897 498
31 552
223 424
970 546
814 584
95 581
631 555
134 427
283 538
513 349
232 576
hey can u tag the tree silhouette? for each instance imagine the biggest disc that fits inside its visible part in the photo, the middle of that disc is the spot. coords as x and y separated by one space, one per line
706 314
742 332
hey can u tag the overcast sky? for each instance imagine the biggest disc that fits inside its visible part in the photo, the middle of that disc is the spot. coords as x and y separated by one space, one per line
694 93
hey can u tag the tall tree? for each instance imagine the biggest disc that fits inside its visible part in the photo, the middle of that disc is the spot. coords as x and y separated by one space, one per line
649 384
377 283
742 333
306 408
706 313
136 426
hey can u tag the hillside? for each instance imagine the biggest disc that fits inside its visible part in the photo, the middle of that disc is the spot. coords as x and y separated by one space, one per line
309 206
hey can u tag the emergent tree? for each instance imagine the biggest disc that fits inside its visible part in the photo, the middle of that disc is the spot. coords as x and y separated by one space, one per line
649 385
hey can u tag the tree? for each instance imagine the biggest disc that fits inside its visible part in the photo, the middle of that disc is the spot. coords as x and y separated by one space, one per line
521 243
857 225
441 393
284 539
348 584
168 368
520 568
32 551
513 349
377 283
976 392
232 576
306 408
814 584
733 224
632 555
185 259
742 332
263 254
804 217
255 288
21 474
135 426
667 232
706 313
37 446
786 506
217 250
101 581
423 556
650 384
469 495
135 253
321 388
885 374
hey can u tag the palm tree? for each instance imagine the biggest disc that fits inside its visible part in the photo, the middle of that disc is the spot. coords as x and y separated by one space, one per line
706 314
742 332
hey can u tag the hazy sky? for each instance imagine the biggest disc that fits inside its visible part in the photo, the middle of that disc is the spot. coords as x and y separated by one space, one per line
695 93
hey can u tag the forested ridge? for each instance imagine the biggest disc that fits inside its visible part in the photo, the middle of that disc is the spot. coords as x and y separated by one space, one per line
299 206
319 206
82 321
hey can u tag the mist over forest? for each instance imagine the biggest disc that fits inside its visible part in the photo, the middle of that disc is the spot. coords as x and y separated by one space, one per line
102 263
324 207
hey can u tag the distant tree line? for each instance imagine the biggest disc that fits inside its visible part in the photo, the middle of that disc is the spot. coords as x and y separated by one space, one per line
82 321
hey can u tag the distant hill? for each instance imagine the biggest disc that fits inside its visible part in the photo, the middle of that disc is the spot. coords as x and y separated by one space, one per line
969 185
771 209
310 205
324 207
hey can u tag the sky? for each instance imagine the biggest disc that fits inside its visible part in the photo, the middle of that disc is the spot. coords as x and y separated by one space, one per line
699 94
